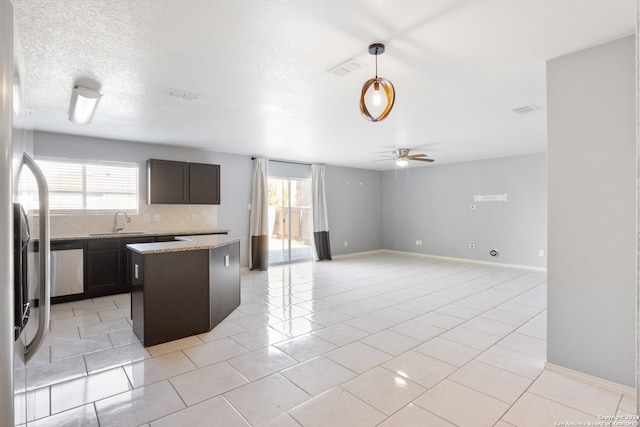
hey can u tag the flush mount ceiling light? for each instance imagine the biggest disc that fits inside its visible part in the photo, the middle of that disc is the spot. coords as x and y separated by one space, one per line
83 104
373 101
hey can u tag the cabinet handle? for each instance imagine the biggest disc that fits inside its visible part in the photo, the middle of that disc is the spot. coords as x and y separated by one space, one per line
135 271
226 260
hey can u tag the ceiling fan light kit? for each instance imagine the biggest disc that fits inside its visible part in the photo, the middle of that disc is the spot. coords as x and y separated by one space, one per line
401 157
377 83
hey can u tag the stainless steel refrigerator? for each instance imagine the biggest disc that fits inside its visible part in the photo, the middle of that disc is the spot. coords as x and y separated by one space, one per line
24 301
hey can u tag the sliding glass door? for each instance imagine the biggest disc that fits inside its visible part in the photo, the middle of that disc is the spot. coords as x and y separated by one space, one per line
290 229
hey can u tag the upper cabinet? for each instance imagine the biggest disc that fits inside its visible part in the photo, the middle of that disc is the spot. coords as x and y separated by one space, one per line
204 184
167 182
171 182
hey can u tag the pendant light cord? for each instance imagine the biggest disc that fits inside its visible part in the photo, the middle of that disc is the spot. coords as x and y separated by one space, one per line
376 63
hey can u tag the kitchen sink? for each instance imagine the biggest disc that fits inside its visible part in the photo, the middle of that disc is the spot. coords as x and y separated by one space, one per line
126 233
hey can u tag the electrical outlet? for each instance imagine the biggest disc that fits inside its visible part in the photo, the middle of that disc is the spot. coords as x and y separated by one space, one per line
472 246
193 217
156 217
417 242
541 252
146 217
346 243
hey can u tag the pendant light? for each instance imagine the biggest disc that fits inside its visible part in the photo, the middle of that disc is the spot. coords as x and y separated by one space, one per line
388 96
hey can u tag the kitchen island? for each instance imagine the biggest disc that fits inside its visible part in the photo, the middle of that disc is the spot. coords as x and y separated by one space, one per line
183 288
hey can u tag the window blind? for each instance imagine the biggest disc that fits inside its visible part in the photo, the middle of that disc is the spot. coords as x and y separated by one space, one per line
90 187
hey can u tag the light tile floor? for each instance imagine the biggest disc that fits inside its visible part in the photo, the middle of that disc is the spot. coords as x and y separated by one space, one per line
381 339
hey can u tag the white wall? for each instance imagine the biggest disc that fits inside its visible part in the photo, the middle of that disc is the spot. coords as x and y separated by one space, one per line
592 211
432 204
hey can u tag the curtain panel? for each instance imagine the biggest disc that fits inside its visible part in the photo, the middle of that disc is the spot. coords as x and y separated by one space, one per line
259 218
322 248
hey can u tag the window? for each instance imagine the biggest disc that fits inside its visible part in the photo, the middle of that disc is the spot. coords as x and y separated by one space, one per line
86 187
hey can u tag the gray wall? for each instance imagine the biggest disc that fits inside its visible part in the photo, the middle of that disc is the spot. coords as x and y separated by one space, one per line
354 195
236 171
354 204
592 212
432 204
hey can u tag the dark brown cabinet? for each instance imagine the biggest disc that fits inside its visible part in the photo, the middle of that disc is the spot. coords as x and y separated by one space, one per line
125 256
169 296
224 292
171 182
199 288
204 184
108 264
103 273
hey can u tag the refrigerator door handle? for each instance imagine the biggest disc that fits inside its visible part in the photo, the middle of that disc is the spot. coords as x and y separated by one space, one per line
45 303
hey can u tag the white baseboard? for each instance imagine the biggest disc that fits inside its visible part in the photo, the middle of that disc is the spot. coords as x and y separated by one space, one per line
354 254
590 379
475 261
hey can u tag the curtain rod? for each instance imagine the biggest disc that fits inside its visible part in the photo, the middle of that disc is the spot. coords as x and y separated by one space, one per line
286 161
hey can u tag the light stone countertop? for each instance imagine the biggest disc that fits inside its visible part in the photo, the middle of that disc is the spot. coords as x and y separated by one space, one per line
127 234
185 243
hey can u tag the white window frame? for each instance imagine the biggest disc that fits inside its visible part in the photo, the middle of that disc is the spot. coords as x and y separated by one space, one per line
84 190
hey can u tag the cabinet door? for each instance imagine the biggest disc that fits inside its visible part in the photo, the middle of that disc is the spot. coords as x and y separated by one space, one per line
103 275
167 182
125 258
204 184
224 286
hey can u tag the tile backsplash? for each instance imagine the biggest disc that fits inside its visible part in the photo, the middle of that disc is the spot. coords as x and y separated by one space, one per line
170 218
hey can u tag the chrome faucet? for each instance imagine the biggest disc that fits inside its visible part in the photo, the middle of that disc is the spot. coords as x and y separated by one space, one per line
115 221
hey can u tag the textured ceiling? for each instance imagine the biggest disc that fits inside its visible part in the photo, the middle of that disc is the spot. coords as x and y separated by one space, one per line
261 67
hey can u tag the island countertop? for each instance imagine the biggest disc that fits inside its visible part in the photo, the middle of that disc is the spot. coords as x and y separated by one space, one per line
129 234
184 243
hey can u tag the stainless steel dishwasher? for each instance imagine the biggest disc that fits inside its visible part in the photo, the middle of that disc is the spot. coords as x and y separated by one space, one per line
66 267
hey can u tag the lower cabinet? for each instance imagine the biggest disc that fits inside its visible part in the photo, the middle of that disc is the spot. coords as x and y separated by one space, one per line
108 265
224 289
169 295
178 294
103 272
125 256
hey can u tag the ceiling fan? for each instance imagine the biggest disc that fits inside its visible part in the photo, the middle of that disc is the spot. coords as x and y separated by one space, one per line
402 157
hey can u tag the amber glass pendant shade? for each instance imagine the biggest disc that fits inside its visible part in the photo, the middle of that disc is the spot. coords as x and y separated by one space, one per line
376 112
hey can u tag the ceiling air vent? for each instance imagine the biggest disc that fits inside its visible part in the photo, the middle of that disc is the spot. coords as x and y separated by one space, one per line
526 109
345 68
177 93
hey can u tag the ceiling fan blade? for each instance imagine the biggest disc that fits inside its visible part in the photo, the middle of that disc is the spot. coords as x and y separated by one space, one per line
382 160
415 156
424 160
